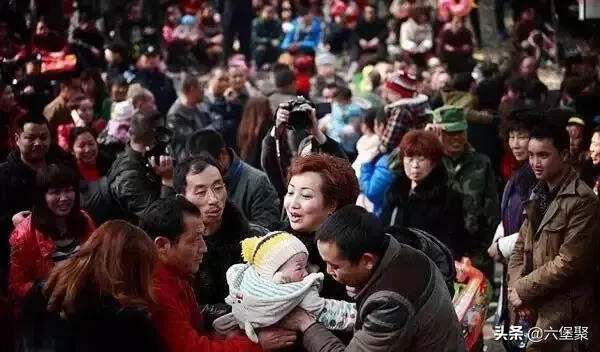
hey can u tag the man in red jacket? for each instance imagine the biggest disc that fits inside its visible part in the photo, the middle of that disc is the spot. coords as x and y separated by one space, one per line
177 229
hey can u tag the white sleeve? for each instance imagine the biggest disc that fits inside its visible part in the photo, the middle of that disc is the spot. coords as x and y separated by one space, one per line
499 232
507 244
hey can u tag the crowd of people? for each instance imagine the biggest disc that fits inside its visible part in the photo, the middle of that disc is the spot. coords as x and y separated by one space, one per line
236 175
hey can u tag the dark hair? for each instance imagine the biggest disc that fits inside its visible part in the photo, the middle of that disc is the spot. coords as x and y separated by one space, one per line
375 78
521 120
355 232
119 80
165 217
192 166
517 84
343 92
381 116
78 131
31 118
284 76
422 143
340 185
256 118
100 88
462 81
536 90
368 118
205 141
42 218
189 82
558 135
142 128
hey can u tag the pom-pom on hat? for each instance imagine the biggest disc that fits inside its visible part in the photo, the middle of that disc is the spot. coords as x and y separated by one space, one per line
268 253
402 83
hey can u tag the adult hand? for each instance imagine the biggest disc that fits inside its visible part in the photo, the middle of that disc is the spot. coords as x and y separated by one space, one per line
230 94
275 42
20 216
526 313
466 47
436 128
513 298
163 168
314 125
351 291
495 253
275 338
149 31
282 116
363 43
449 48
297 320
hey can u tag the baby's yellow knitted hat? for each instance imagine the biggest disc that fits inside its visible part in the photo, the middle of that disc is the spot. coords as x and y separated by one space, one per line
268 253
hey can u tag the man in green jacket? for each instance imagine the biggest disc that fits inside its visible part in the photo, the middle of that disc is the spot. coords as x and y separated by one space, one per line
266 37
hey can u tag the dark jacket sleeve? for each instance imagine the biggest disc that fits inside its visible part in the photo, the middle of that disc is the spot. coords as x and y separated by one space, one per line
270 165
135 192
265 205
333 148
386 319
181 129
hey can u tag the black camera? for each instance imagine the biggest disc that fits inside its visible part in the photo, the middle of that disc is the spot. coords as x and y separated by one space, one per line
162 139
299 113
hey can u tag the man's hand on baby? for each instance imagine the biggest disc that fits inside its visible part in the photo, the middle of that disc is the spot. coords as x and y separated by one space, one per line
276 338
351 291
297 320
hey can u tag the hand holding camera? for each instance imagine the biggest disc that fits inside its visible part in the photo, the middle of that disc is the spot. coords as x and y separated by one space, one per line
299 114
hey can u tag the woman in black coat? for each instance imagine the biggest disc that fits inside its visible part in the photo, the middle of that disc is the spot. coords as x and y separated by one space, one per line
421 198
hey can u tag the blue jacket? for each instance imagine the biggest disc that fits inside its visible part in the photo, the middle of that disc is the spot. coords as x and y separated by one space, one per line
375 179
309 38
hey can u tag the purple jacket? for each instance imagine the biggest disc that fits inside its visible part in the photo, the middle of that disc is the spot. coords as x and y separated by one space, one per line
517 191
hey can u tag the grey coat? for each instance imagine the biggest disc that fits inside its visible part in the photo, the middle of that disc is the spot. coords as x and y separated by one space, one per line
405 306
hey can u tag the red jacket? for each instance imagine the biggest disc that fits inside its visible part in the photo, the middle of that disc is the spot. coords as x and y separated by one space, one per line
31 256
179 320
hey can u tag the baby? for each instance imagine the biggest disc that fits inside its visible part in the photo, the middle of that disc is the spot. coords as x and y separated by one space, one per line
273 282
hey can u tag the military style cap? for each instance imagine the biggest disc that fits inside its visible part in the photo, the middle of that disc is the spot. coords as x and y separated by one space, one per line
452 117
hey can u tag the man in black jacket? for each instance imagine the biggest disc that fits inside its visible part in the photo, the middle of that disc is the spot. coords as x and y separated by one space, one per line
237 19
248 188
17 178
136 181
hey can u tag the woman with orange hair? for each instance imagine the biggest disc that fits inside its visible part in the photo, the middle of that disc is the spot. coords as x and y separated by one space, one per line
99 299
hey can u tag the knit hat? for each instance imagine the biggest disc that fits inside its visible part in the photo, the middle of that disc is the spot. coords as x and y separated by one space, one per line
120 121
123 110
188 20
325 59
452 117
268 253
402 83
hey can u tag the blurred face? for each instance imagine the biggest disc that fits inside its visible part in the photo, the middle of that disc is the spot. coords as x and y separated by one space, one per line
33 141
118 93
454 143
88 87
341 269
85 149
268 14
595 148
135 14
457 23
294 270
326 70
206 190
417 168
328 94
238 79
304 202
518 141
575 138
208 12
86 111
545 160
7 99
220 83
147 105
186 255
150 62
60 200
174 15
41 29
528 68
369 14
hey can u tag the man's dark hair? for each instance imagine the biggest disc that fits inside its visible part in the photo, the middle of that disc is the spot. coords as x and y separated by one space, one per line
558 134
142 128
368 118
462 81
536 91
190 82
343 92
375 78
31 118
284 77
355 232
165 217
192 166
205 141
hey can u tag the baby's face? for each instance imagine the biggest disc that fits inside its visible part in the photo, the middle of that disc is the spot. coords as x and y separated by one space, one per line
294 270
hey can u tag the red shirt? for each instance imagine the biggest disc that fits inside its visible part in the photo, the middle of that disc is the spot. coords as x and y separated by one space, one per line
87 172
179 321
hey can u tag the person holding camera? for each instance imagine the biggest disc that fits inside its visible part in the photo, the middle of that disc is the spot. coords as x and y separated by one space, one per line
296 133
141 174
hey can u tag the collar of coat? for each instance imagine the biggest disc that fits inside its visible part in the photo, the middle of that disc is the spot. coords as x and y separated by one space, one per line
389 255
566 189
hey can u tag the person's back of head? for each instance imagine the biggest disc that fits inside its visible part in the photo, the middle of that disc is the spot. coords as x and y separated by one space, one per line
165 218
142 129
343 93
284 77
462 82
116 262
205 141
